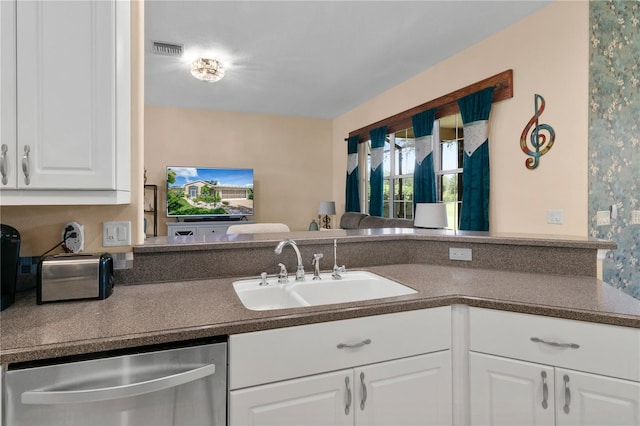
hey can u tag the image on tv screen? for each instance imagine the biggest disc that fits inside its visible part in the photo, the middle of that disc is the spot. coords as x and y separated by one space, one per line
208 191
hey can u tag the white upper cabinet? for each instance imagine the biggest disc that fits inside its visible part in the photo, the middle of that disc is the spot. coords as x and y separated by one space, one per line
66 72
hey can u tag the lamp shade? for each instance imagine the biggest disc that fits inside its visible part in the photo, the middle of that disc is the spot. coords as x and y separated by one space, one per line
430 215
327 207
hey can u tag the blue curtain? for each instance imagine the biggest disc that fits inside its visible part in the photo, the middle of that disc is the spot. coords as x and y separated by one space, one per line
352 203
378 137
475 109
424 180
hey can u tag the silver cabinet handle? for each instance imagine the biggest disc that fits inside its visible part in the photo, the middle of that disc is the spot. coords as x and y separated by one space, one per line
545 390
104 394
25 165
364 391
355 345
567 394
556 344
348 406
3 164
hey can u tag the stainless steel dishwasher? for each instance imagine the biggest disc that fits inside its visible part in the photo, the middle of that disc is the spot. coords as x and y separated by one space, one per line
177 386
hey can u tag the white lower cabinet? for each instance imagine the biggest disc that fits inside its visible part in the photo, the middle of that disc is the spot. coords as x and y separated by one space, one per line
523 370
409 391
590 399
510 392
392 369
315 400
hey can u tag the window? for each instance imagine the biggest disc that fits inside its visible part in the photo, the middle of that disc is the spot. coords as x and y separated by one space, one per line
448 155
398 164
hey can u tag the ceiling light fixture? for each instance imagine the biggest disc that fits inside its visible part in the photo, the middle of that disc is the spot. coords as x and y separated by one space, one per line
209 70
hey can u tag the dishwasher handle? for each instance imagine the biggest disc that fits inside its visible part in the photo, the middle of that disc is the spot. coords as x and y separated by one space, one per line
38 397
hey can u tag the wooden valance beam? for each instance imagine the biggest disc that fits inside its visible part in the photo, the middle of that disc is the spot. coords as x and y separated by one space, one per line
445 105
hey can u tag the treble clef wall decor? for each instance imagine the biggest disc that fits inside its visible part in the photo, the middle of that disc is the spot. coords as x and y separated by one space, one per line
538 140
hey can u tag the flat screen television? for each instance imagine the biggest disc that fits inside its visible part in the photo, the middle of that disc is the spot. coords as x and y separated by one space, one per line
209 192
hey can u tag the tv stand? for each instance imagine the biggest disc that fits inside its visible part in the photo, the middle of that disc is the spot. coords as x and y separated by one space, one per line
201 227
215 219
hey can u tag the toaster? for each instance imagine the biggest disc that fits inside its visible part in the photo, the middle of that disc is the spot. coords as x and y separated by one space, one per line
74 276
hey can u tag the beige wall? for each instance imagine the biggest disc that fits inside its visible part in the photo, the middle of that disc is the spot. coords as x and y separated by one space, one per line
548 53
300 162
291 157
41 226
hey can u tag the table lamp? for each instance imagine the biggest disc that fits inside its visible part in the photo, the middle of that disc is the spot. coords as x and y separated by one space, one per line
430 215
325 209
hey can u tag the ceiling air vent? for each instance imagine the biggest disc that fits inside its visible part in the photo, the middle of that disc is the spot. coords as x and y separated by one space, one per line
168 49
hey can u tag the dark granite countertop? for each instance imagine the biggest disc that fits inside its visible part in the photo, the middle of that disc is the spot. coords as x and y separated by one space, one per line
144 314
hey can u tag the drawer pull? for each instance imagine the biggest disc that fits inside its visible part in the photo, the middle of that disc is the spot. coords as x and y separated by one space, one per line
545 390
364 392
354 346
567 395
556 344
348 406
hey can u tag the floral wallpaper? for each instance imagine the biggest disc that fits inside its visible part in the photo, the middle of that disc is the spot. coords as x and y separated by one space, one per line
614 135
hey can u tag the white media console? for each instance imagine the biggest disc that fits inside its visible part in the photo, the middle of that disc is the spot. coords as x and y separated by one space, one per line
175 229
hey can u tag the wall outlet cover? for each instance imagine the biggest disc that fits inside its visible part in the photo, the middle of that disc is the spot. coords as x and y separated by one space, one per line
635 217
73 237
555 217
603 218
460 254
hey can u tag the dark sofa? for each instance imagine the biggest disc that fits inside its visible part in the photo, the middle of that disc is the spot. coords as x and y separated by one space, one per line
353 220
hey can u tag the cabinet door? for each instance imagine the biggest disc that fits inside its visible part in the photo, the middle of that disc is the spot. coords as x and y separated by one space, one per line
588 399
409 391
66 85
322 400
507 392
8 142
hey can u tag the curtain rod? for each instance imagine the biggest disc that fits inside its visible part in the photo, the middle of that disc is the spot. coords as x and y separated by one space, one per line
445 105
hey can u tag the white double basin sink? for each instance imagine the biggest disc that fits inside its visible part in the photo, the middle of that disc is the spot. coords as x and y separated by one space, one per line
352 287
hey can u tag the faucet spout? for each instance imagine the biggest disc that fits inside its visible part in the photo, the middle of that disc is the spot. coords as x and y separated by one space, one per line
294 246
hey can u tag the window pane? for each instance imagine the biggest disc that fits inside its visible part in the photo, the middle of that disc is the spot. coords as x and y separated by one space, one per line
385 197
405 156
403 198
449 150
451 142
387 159
449 185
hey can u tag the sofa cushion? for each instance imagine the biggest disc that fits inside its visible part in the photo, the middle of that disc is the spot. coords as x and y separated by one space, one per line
372 222
399 223
351 220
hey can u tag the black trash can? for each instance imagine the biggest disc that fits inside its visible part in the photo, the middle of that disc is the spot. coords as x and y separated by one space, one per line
10 256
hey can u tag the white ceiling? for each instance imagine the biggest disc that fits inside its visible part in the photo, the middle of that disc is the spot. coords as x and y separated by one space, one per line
309 58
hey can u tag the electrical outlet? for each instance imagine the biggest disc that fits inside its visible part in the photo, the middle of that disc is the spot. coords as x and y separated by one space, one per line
635 217
460 254
554 217
73 237
116 234
603 218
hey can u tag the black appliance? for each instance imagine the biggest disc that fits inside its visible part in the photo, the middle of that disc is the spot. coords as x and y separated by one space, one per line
10 257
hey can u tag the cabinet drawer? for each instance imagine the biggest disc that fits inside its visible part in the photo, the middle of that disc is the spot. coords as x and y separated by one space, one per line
602 349
271 355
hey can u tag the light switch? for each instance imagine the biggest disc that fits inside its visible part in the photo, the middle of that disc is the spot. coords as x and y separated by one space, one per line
555 217
116 234
603 218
